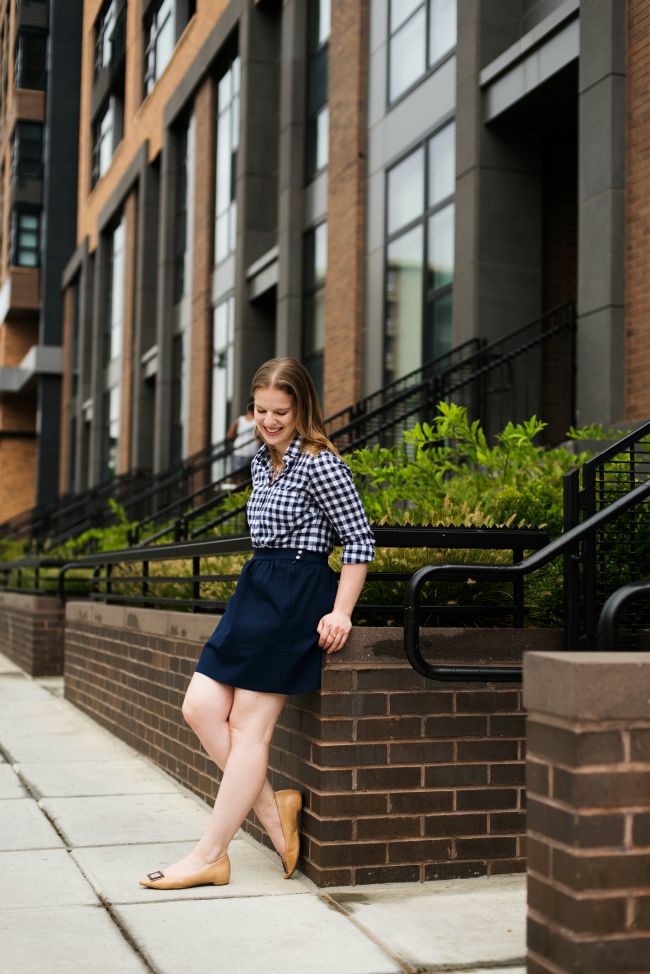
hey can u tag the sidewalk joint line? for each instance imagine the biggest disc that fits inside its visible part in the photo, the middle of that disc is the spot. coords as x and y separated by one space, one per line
407 967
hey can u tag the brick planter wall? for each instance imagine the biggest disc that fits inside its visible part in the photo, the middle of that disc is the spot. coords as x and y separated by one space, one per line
31 632
403 780
588 778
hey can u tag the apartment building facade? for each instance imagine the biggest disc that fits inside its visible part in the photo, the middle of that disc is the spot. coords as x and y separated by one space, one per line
39 91
361 185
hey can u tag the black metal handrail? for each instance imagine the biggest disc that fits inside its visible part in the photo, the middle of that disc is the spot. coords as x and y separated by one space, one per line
377 416
381 415
565 543
618 600
34 565
613 471
105 586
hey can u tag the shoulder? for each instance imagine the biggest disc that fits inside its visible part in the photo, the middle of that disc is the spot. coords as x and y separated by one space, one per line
328 467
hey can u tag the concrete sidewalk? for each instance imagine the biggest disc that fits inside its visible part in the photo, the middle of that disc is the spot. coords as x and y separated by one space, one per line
83 816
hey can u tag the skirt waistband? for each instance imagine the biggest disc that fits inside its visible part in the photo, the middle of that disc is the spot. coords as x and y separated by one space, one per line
291 554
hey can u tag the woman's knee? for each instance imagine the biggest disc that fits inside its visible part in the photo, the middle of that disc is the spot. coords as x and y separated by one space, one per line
205 702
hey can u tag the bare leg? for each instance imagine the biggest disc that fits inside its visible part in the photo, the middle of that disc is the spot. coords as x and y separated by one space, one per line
252 720
206 709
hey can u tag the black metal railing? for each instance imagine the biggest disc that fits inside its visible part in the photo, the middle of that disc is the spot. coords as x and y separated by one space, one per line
31 576
618 601
500 381
619 551
570 542
112 576
497 382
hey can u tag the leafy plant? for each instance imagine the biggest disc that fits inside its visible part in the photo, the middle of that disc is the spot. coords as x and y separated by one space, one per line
447 473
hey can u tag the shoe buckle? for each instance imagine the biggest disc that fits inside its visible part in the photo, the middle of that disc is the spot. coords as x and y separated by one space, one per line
156 875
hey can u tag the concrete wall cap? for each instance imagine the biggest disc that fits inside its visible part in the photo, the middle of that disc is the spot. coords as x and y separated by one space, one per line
588 686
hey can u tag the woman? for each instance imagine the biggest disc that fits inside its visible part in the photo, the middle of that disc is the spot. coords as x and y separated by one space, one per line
286 609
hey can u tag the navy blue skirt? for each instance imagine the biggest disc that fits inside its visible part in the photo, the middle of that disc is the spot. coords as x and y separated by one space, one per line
267 639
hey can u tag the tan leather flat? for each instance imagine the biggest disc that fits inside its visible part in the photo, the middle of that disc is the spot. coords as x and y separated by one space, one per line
289 803
214 874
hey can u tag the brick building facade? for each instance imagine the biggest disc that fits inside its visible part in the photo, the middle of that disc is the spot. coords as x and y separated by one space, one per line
39 57
364 186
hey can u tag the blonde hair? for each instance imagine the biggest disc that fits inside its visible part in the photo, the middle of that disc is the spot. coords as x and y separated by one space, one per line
290 376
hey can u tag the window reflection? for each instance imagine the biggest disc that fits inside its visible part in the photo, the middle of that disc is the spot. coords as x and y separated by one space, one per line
223 352
159 42
408 54
404 303
406 191
414 204
442 28
313 329
421 32
227 146
317 138
441 248
442 164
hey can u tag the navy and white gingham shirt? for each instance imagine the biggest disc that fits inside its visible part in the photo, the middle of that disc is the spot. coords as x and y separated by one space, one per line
312 504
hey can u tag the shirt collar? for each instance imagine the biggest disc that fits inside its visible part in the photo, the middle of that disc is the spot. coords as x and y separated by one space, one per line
292 451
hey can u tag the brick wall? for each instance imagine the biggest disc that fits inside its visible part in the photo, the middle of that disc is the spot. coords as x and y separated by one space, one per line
402 780
31 632
637 216
345 204
588 778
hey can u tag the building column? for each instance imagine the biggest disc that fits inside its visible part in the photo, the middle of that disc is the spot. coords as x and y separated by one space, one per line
256 333
164 309
200 339
346 175
498 256
67 405
291 176
96 385
601 214
637 217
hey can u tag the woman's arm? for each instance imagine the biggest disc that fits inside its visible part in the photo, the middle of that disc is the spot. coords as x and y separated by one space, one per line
334 628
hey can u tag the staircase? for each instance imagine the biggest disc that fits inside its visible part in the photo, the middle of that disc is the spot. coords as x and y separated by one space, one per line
497 381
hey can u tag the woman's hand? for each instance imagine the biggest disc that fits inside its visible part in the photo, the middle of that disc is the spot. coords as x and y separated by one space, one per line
334 629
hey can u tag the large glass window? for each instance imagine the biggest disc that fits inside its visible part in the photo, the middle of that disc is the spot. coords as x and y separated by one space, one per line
114 303
113 328
223 353
421 32
109 34
30 69
227 146
104 140
159 42
111 407
315 272
25 238
420 255
28 150
318 34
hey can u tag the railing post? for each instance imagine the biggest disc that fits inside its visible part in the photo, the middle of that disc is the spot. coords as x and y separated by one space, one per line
196 582
145 580
571 491
518 590
589 557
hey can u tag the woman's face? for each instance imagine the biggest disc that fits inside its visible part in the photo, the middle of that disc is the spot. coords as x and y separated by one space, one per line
276 417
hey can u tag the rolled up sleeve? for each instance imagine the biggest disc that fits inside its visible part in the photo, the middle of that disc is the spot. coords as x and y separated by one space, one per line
333 489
